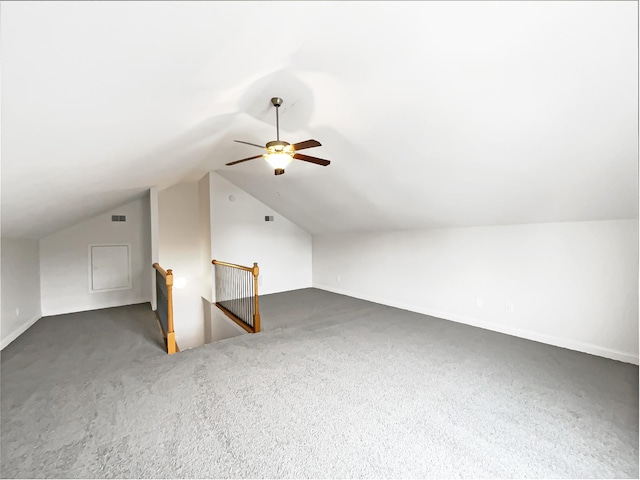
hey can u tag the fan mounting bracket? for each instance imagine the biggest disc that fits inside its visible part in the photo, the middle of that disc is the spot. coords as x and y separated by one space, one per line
276 101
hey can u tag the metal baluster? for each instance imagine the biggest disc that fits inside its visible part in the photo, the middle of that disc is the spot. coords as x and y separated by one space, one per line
241 283
246 300
235 291
250 297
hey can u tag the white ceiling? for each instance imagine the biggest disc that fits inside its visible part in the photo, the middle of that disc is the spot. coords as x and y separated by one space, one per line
434 114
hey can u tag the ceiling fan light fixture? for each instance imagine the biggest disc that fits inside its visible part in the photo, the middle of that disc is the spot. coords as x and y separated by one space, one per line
278 160
280 153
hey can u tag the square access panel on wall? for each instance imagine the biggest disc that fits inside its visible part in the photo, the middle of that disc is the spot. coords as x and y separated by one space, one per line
109 267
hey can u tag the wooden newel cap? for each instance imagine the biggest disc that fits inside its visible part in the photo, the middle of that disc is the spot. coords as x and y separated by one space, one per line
169 272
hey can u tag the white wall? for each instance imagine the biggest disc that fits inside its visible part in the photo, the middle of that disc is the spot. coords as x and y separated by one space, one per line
155 239
239 234
573 285
179 230
204 237
64 261
20 287
217 325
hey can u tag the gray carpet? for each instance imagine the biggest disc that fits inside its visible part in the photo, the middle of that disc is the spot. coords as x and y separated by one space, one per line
333 388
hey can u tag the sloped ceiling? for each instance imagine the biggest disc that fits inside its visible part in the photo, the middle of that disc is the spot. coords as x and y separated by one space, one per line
434 114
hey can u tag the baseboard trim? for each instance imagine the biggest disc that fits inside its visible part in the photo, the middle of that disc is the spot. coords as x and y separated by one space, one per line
516 332
19 331
288 289
89 308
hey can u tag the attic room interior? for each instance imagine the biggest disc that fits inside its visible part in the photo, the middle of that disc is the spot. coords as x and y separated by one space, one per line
446 275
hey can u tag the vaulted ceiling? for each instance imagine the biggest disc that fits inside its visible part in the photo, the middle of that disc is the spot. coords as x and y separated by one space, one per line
433 114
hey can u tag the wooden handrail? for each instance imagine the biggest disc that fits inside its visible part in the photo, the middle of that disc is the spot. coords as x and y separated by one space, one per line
171 334
255 271
162 271
233 265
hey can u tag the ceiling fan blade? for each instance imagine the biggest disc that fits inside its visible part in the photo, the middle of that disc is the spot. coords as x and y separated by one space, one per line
306 144
249 143
244 160
307 158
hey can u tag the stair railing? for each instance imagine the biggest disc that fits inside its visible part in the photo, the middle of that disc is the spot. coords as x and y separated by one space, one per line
164 311
237 293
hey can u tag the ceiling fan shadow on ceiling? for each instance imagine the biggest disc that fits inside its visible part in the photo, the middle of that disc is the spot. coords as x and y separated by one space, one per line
280 153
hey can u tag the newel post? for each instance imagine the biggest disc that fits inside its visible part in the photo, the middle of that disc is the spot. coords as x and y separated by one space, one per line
171 336
256 315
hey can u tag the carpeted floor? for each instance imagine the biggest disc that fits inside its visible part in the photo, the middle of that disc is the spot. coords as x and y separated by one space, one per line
333 388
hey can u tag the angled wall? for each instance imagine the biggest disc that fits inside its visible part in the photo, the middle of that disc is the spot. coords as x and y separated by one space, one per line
573 285
20 286
64 261
240 234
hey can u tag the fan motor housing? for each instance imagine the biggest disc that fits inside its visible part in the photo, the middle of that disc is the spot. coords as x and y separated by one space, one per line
278 143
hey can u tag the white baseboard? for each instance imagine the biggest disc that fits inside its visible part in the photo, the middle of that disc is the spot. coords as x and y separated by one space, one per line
6 340
286 289
88 308
516 332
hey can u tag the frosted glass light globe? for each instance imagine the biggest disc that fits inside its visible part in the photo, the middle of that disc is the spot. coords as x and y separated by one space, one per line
278 160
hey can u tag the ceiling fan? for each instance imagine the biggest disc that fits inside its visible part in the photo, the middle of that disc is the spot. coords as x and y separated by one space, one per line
279 153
